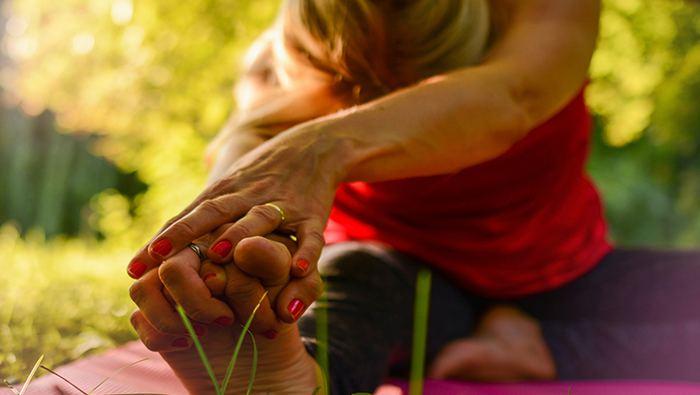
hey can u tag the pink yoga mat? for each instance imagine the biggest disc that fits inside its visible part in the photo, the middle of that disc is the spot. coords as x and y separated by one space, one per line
153 376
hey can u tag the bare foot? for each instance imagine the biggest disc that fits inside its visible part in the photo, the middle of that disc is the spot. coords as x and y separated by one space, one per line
507 346
284 366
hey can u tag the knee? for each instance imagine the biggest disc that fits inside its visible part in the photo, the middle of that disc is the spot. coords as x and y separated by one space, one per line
360 262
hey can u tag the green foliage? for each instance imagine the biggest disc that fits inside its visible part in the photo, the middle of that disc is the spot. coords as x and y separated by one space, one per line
153 77
63 298
153 80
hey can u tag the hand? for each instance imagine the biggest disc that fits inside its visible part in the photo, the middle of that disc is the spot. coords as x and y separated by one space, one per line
261 263
296 171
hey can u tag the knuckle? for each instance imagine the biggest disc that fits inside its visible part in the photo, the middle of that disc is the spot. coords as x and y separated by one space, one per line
133 319
149 343
240 230
196 312
183 228
137 294
162 324
315 237
266 213
237 291
169 274
214 207
316 286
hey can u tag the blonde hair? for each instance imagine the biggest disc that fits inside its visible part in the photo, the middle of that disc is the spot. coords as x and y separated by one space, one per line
329 54
377 46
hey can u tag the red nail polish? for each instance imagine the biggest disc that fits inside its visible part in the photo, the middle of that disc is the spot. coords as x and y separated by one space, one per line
222 248
271 334
181 342
303 264
224 321
208 276
162 247
136 269
200 330
296 307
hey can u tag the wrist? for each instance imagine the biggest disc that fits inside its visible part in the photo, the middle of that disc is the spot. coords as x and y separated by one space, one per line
341 144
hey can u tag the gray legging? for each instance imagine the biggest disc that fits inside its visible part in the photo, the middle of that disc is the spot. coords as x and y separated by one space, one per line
634 316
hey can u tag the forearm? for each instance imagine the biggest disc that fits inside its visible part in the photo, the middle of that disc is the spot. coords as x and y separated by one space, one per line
475 114
230 151
437 127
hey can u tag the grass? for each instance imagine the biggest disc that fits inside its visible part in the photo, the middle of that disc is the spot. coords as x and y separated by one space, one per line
70 297
220 388
420 331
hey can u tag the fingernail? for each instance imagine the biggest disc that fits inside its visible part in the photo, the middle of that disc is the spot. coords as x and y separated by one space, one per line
208 276
295 308
224 321
271 334
162 247
303 264
181 342
200 330
136 269
222 248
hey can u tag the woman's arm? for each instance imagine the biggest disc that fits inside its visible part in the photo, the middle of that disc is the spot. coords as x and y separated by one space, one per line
472 115
439 126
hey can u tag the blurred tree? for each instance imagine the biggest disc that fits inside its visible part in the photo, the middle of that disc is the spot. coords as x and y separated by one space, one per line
154 77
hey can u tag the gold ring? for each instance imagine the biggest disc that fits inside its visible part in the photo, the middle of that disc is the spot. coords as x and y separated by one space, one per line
279 210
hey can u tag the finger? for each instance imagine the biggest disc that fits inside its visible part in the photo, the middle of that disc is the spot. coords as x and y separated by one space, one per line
155 340
203 219
311 242
143 261
214 276
148 296
180 275
141 264
259 221
297 296
169 298
284 239
267 260
243 293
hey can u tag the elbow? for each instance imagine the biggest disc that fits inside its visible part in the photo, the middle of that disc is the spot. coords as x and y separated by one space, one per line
514 122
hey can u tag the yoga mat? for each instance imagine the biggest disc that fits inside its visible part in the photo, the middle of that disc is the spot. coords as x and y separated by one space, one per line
154 376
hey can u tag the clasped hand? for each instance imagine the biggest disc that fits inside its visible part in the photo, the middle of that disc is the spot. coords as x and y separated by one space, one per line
222 294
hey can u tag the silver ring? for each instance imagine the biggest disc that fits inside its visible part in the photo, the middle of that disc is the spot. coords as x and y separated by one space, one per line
198 251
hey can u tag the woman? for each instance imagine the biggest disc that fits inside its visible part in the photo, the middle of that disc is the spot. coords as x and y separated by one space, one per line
446 134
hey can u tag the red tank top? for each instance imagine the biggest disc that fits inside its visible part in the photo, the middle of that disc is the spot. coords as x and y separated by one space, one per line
525 222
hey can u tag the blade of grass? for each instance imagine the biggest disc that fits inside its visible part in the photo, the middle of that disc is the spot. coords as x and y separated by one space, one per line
113 375
321 313
64 379
200 349
8 385
239 343
420 329
254 366
31 375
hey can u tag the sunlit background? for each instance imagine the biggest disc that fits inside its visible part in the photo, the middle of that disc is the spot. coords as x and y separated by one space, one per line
108 105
